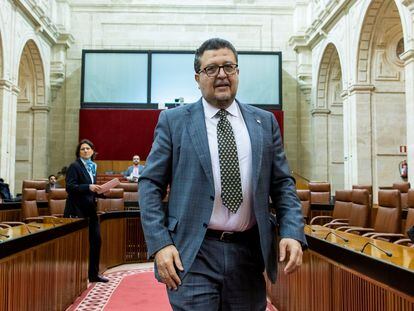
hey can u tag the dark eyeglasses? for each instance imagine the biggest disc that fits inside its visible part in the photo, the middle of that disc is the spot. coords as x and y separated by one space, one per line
213 70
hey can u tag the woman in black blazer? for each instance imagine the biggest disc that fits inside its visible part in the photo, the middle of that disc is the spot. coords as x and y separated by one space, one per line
81 201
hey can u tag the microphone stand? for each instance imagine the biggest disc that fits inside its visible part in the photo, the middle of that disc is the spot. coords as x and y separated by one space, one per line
389 254
337 235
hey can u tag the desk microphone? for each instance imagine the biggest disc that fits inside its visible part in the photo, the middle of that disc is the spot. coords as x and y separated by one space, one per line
337 235
389 254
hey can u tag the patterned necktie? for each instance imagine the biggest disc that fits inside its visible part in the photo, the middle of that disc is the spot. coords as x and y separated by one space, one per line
90 166
231 189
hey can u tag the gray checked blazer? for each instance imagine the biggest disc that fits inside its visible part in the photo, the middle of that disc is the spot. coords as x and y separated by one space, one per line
180 157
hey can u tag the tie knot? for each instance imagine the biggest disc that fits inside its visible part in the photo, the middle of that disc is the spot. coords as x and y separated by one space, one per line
222 113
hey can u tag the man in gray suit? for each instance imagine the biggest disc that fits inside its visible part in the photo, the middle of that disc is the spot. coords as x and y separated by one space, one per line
222 160
133 172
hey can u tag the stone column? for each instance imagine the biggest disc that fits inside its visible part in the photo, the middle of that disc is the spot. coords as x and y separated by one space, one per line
8 101
305 148
40 137
320 143
359 134
348 177
408 58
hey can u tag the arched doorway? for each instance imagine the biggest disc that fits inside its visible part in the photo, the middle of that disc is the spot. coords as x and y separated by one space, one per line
31 140
380 120
328 121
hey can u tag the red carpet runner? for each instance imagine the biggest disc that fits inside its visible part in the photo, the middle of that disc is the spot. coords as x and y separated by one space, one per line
127 290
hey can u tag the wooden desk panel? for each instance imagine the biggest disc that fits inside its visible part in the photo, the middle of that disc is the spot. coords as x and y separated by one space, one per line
45 270
122 239
336 276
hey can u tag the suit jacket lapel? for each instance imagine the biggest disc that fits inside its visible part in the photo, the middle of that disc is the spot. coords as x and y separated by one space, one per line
85 171
254 127
196 127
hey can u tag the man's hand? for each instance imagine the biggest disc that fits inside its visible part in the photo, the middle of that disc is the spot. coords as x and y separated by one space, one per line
294 249
167 259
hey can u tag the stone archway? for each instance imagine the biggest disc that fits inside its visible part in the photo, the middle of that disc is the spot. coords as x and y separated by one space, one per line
379 97
328 114
31 123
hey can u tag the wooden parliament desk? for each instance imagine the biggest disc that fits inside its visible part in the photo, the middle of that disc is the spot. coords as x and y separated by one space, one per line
11 211
47 268
335 275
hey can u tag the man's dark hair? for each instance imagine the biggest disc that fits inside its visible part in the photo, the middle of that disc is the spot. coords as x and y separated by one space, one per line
212 44
88 142
51 176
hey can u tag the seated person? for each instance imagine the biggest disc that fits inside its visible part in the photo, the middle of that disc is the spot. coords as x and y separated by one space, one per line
410 233
52 184
133 172
5 194
4 190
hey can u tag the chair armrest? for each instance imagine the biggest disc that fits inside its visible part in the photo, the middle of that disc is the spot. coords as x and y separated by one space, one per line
319 217
404 241
359 229
33 218
340 220
333 224
17 223
375 235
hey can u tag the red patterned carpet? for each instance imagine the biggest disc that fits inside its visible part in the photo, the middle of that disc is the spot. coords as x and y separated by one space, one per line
127 290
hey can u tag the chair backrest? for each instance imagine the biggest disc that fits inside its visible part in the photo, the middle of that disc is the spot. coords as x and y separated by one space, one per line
403 187
57 200
360 211
343 204
389 212
130 191
409 222
304 197
367 187
114 201
320 192
40 186
29 205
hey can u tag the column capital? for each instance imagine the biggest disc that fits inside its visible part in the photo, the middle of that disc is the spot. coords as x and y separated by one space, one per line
361 88
344 94
407 56
409 4
37 109
320 111
9 86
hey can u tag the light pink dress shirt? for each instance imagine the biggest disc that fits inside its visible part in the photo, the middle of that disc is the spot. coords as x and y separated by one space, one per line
222 218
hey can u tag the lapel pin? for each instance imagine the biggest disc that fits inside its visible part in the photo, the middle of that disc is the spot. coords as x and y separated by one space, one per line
258 121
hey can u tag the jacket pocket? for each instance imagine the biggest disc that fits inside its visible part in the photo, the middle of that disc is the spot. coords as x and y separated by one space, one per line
172 223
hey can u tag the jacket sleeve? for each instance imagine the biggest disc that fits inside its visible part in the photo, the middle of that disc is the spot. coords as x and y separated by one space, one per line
283 192
152 187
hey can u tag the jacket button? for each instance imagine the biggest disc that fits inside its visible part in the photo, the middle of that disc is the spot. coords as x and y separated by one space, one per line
205 225
212 198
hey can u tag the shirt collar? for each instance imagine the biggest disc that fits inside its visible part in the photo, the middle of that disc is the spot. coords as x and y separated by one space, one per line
210 111
83 161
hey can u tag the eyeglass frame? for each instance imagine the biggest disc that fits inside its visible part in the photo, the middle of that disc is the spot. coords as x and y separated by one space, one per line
218 71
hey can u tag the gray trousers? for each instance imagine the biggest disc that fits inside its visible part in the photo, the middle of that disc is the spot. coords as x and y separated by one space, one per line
224 276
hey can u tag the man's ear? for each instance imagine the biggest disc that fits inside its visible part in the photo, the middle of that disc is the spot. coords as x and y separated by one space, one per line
197 77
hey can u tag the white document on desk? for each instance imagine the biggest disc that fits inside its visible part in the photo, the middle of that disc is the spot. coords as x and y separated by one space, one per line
109 185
